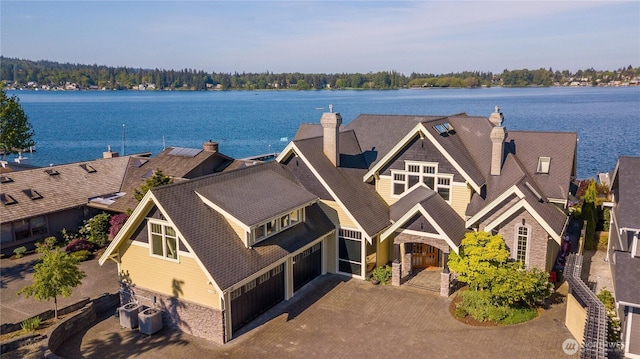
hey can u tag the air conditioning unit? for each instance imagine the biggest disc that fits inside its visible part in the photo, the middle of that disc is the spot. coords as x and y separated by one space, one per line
150 321
129 315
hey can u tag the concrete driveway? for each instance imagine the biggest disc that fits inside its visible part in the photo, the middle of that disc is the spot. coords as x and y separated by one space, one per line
17 273
338 318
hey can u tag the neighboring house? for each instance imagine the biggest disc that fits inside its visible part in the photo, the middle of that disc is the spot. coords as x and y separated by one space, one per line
624 250
343 199
179 163
40 202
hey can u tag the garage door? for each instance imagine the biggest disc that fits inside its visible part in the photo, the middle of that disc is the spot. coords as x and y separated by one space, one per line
256 297
306 266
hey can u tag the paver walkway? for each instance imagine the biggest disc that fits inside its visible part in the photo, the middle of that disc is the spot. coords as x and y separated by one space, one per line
334 318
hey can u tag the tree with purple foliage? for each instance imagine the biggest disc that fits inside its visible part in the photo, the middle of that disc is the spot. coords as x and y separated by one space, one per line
116 223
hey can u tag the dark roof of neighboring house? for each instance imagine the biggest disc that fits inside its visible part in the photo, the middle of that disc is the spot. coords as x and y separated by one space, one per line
359 198
625 272
212 238
443 214
626 183
57 188
175 162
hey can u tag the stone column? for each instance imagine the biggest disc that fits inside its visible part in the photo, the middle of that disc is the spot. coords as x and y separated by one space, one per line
445 277
396 271
406 260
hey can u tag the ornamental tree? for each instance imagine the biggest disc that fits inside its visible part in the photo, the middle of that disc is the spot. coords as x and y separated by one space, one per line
16 132
55 275
158 179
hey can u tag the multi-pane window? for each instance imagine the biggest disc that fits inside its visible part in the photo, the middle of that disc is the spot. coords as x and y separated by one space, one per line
275 225
426 173
522 238
350 251
164 240
32 228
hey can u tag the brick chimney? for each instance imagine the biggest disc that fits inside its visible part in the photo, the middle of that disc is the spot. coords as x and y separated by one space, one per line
331 122
497 141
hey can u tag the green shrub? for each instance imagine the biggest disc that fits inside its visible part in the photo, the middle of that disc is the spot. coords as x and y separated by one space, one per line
82 255
461 312
603 240
382 274
20 251
96 229
519 315
477 304
31 324
613 323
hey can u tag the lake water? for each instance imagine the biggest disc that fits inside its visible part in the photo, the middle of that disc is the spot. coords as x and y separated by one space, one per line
79 126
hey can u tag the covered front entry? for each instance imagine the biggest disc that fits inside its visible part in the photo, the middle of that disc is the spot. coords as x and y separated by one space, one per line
306 266
425 256
257 296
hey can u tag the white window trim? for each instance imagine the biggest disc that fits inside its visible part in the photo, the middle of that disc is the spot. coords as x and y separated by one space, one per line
163 225
278 227
363 253
528 243
422 173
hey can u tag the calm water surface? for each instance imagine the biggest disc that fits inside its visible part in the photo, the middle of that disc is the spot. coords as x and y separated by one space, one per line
78 126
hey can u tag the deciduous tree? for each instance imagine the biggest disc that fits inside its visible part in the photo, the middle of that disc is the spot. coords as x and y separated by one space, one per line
56 274
16 132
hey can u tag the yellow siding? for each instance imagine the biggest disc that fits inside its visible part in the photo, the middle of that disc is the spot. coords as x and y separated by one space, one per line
336 214
184 279
383 187
242 234
553 248
460 197
384 250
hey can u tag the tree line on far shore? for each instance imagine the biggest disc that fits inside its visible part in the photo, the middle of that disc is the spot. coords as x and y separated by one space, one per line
20 73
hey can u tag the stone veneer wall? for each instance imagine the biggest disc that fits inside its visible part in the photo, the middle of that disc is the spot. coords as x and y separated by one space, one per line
178 314
537 246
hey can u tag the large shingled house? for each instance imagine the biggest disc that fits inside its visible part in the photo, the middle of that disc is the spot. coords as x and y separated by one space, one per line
217 251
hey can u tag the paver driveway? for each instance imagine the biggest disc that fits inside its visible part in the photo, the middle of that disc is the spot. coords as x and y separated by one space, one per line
342 319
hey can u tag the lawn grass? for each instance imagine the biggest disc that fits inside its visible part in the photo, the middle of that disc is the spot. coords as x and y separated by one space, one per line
519 315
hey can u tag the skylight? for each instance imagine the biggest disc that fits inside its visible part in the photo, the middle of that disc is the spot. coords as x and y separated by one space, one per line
31 193
88 168
7 199
444 129
543 164
139 162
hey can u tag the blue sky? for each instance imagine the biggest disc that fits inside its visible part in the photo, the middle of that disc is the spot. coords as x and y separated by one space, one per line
326 37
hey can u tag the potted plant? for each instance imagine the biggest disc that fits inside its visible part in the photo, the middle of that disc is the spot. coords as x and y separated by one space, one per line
381 275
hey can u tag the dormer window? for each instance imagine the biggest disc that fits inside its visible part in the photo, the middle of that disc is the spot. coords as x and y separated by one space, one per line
274 226
543 164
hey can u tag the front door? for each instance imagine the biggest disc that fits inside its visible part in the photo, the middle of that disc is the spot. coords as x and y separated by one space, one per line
424 256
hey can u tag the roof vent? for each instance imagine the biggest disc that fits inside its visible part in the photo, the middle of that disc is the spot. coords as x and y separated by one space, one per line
5 179
51 172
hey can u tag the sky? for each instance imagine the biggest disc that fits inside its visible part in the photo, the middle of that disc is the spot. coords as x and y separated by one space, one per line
434 37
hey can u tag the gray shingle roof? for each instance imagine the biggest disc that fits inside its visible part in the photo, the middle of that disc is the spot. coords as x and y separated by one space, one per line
625 271
360 199
71 187
255 198
627 186
214 241
443 214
